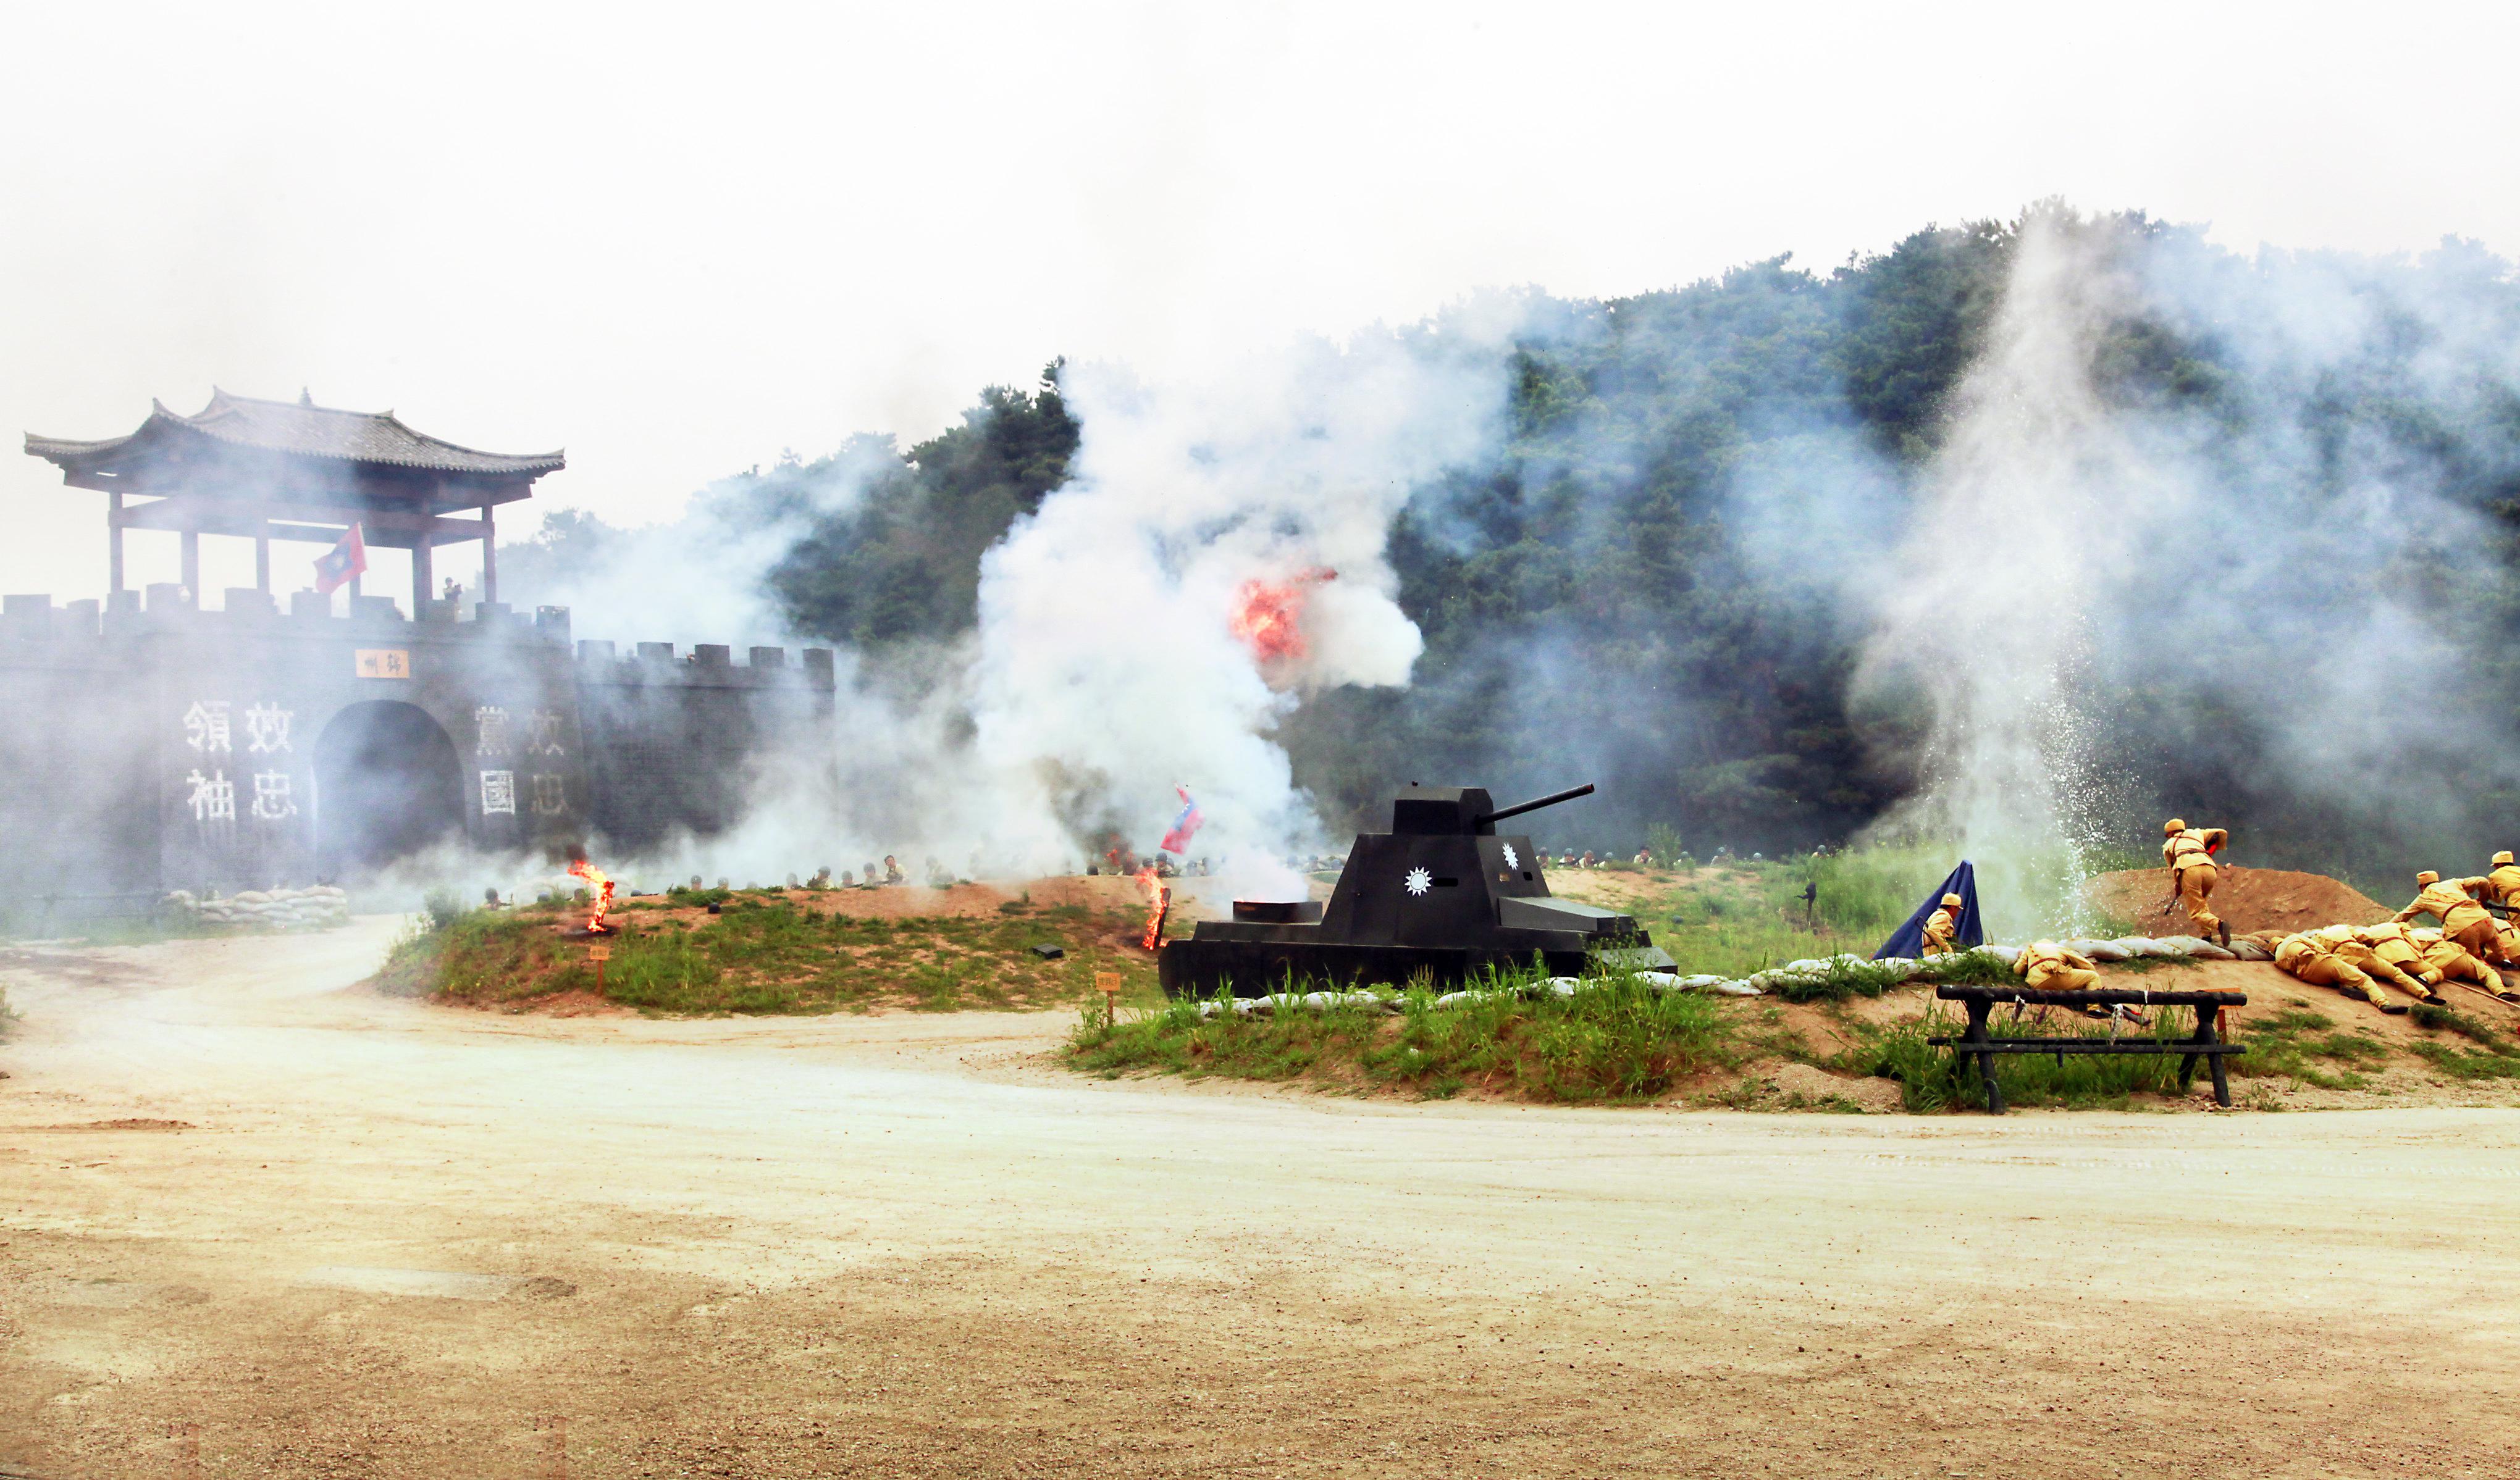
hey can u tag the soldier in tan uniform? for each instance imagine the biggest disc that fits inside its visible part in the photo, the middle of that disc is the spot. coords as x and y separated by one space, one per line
2464 921
2189 853
1940 926
2397 947
2455 965
2346 944
2310 958
2502 881
2045 964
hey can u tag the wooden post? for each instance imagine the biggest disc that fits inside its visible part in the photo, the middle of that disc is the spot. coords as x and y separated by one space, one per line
419 574
193 565
489 556
1978 1009
114 541
262 556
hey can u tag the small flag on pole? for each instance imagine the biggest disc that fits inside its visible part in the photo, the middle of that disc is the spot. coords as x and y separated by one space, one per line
1185 827
343 563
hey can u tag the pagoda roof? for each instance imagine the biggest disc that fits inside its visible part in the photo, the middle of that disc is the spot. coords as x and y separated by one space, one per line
299 428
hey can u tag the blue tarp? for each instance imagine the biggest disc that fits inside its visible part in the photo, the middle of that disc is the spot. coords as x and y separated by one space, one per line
1910 938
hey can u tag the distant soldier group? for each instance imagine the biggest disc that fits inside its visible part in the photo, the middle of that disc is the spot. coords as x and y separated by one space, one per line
2472 942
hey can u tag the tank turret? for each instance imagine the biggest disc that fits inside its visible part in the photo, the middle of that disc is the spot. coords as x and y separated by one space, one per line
1443 893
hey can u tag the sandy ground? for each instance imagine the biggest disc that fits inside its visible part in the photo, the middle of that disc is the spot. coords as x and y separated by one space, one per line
388 1240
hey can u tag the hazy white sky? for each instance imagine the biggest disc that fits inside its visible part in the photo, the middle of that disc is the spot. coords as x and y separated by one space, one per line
677 239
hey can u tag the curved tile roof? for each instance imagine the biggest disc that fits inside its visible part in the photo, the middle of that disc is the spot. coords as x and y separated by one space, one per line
303 428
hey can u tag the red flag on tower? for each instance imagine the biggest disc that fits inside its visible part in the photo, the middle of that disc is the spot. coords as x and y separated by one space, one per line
343 563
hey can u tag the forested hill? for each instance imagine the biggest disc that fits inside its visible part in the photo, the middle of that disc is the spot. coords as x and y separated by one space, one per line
1592 607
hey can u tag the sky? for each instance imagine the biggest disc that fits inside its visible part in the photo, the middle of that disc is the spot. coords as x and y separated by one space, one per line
679 241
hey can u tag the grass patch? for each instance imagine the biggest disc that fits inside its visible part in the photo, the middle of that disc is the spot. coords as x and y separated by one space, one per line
1618 1042
1741 916
2494 1060
2467 1064
2296 1043
1932 1078
765 952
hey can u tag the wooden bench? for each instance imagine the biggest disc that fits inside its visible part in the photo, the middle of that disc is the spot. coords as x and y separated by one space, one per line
1983 1000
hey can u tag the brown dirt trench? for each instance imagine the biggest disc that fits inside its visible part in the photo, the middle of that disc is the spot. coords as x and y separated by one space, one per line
390 1240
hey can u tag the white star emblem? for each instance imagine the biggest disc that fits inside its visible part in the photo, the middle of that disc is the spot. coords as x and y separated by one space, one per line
1417 881
1510 861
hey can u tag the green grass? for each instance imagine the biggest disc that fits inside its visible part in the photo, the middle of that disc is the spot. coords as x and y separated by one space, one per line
2297 1042
2495 1058
1932 1078
2304 1043
766 952
1741 916
2467 1064
1616 1042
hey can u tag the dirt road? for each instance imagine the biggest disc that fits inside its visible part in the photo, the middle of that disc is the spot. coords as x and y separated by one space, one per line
390 1240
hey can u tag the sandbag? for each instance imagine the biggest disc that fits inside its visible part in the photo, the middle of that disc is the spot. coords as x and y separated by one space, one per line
2102 951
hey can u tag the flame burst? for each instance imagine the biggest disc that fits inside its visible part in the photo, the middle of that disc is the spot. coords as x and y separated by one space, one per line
1268 615
1159 902
602 883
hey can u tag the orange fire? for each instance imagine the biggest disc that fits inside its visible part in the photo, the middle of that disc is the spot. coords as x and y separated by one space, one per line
1268 615
1159 902
602 883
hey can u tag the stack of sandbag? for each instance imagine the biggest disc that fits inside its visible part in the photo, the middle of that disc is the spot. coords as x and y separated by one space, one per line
312 909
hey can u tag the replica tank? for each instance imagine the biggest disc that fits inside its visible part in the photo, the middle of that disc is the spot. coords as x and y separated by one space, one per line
1441 893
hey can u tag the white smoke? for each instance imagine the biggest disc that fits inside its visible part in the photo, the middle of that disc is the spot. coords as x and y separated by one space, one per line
1106 669
2041 495
2274 562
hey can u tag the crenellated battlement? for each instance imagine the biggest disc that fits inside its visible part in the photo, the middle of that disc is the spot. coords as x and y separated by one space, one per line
706 665
162 608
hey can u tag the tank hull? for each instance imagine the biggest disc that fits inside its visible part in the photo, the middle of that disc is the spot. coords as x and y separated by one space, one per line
1442 898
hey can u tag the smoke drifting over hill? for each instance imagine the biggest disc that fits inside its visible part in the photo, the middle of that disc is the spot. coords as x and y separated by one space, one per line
2012 535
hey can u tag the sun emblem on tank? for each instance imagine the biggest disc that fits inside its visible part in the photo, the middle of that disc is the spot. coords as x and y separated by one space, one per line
1510 861
1419 881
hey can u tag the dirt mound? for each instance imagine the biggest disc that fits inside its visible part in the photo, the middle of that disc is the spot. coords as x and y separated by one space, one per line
2247 899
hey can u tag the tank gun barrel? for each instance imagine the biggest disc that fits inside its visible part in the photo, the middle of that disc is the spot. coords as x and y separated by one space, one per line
1535 804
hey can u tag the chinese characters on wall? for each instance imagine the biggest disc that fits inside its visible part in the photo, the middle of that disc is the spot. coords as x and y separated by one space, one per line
495 740
209 731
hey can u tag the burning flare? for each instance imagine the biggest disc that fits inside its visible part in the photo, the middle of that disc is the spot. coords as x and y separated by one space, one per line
602 883
1268 615
1159 902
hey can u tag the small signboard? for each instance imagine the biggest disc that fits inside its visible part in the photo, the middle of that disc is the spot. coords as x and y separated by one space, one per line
599 953
384 662
1107 983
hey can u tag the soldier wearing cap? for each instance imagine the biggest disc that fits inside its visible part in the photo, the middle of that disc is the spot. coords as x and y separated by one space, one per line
2189 853
1941 926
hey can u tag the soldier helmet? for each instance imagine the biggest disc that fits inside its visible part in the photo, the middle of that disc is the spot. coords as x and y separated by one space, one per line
2428 877
2174 826
1950 901
2503 857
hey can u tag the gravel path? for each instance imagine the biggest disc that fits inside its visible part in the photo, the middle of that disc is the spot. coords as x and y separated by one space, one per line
254 1221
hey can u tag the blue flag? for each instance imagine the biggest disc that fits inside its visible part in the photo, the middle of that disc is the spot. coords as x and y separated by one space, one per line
1968 931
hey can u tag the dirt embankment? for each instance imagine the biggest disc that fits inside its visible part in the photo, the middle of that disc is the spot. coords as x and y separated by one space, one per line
2247 899
1192 898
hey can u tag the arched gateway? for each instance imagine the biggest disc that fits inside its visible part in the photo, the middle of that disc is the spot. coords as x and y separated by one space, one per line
170 743
387 786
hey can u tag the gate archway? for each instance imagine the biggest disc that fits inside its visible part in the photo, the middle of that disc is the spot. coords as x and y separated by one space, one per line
387 784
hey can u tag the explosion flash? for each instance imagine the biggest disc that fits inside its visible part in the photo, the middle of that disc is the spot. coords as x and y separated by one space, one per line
1160 903
602 883
1268 615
